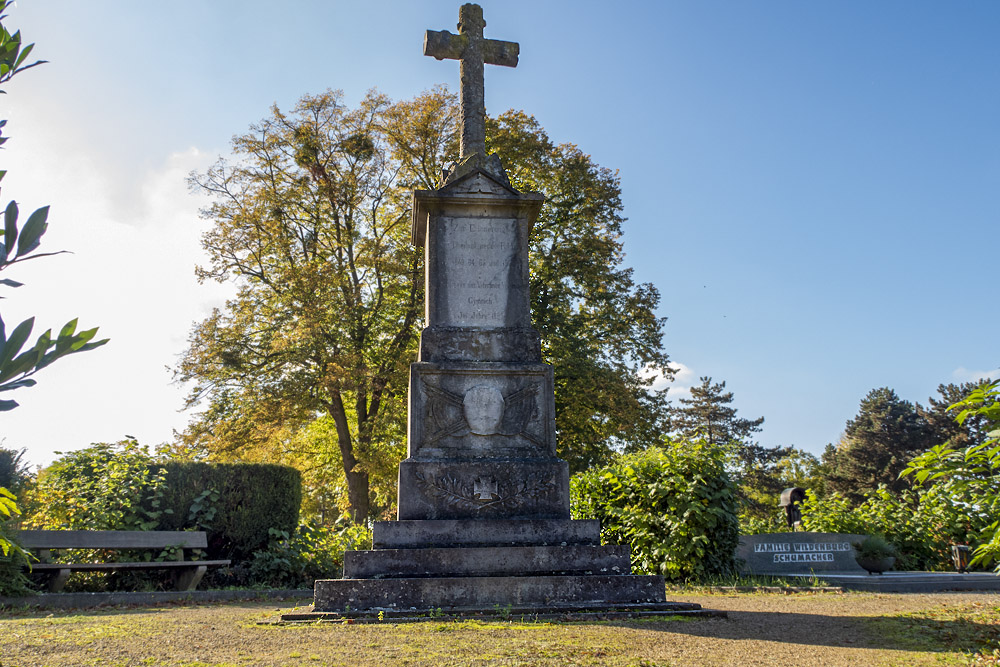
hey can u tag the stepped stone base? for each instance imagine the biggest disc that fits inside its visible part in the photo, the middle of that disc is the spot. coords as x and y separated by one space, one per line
476 533
447 593
486 561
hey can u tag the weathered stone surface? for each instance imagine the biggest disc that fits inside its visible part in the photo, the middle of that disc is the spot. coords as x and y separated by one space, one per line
484 489
472 50
478 411
476 253
473 532
443 344
798 553
486 561
450 592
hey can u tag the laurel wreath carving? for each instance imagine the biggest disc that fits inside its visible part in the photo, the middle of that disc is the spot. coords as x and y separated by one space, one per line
511 494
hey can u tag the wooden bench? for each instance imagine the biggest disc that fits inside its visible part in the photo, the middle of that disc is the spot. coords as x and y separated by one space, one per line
186 573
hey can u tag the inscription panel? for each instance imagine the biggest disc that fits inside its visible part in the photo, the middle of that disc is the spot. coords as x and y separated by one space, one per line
798 553
475 268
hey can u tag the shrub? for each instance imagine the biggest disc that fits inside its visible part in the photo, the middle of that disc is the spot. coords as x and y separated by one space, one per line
921 524
674 504
121 487
312 552
970 477
101 487
236 503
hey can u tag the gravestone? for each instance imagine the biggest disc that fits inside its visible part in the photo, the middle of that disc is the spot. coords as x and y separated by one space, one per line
798 553
484 517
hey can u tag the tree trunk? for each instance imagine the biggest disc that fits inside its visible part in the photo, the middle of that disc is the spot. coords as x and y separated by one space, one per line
357 480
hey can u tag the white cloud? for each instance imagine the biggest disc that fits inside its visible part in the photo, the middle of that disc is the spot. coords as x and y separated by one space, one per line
680 385
962 374
132 274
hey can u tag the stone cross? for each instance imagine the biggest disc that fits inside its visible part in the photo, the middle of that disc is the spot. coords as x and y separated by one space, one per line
472 50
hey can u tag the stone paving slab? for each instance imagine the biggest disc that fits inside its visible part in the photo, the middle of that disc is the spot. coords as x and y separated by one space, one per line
547 612
906 582
91 600
338 595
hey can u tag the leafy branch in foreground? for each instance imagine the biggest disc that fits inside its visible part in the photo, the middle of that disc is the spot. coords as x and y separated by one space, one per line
970 475
17 366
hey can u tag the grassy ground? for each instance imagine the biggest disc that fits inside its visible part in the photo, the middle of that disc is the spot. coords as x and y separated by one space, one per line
762 629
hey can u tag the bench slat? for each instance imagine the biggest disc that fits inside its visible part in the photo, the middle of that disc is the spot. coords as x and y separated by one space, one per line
111 539
152 565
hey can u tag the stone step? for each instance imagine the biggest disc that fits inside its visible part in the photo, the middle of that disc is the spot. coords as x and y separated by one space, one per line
336 595
486 561
416 534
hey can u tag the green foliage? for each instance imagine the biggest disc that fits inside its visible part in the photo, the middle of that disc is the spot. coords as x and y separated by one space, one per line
970 476
18 364
709 414
311 552
876 547
13 558
308 365
14 471
922 524
235 503
878 443
122 487
674 504
13 53
598 325
101 487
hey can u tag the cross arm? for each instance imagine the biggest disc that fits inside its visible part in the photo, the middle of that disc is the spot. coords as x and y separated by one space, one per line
496 52
442 44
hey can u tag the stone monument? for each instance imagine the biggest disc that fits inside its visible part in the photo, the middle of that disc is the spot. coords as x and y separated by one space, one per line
484 517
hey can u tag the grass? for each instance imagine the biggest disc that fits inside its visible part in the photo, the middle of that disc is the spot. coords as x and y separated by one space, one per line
862 629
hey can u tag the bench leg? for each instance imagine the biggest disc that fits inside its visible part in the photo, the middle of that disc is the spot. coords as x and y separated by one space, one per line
189 578
58 580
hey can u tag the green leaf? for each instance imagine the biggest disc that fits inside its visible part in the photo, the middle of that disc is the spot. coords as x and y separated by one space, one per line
10 225
7 281
7 405
14 343
32 232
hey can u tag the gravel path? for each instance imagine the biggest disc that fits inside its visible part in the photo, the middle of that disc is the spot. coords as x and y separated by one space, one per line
762 629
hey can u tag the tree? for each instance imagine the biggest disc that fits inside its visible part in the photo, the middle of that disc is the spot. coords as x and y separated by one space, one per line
710 415
941 422
312 225
877 444
598 327
14 470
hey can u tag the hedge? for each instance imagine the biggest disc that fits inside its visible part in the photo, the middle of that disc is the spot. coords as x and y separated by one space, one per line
236 503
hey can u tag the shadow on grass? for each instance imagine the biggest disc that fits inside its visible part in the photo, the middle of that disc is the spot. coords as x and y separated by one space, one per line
964 631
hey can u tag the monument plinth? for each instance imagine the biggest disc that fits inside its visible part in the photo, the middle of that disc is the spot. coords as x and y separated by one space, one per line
484 516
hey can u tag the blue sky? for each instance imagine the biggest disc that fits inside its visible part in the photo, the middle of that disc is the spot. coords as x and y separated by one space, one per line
813 187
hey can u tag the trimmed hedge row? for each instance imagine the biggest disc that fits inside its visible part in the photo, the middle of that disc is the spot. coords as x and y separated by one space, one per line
236 503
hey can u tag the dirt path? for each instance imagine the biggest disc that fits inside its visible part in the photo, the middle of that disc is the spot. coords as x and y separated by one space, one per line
762 629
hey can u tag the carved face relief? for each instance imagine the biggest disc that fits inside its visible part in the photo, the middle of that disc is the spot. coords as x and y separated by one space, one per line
483 406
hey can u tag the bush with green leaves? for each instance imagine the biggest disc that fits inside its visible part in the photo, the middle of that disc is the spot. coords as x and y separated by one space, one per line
970 477
101 487
13 558
237 504
922 524
311 552
674 504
